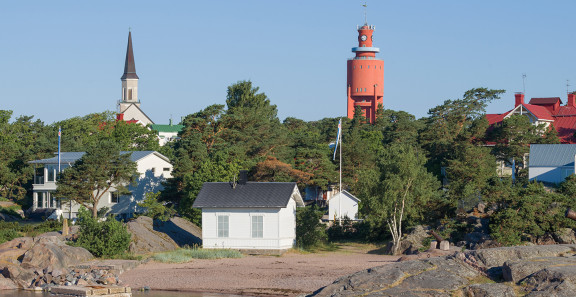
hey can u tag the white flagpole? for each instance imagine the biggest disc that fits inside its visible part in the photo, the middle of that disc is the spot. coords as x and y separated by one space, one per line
340 200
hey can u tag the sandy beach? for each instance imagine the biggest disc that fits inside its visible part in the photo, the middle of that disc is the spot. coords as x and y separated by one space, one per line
291 274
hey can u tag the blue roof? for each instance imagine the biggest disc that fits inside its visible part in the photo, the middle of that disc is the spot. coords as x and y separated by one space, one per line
552 155
71 157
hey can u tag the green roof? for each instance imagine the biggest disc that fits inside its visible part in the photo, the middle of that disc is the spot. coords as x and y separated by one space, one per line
167 128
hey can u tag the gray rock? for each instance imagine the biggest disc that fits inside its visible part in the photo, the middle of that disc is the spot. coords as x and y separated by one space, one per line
182 231
146 240
489 290
7 284
516 271
565 236
51 252
498 256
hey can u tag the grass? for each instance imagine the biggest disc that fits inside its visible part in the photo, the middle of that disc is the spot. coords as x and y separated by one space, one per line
187 254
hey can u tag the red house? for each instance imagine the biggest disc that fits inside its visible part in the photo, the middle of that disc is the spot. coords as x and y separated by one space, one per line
545 111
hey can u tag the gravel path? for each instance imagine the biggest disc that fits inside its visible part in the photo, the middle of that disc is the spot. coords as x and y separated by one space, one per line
288 275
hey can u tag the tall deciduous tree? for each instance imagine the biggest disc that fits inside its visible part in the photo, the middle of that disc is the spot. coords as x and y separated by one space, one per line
102 168
403 189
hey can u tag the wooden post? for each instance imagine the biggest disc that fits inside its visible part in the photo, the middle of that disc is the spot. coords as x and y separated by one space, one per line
65 229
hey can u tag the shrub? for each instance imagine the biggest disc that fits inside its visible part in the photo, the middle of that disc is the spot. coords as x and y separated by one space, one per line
530 215
309 230
156 209
103 239
8 231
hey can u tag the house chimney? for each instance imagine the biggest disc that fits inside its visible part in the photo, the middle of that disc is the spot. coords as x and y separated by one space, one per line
571 100
519 96
243 178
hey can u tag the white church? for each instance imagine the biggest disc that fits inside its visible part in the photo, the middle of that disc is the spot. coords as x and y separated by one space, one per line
129 106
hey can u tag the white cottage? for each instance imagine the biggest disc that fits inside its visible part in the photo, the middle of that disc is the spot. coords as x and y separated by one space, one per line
153 168
551 163
249 215
343 205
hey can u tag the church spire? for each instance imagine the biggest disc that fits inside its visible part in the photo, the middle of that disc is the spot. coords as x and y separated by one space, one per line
129 66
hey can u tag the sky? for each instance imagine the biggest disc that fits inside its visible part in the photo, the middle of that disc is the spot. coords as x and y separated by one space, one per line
61 59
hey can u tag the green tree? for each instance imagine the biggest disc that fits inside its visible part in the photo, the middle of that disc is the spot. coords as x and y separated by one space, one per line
455 121
20 141
156 209
100 170
514 136
403 190
310 232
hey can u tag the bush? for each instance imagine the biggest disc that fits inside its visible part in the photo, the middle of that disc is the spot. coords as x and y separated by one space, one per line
530 215
8 231
309 230
349 230
103 239
156 209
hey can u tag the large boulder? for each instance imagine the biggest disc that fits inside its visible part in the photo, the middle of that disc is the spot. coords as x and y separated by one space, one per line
146 240
52 252
182 231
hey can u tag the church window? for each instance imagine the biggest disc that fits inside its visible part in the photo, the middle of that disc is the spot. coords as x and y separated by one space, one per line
129 94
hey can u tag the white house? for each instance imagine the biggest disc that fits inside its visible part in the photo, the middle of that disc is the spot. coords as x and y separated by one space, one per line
343 205
551 163
153 168
167 133
249 215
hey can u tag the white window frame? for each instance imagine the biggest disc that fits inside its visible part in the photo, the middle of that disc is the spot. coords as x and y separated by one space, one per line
257 226
223 226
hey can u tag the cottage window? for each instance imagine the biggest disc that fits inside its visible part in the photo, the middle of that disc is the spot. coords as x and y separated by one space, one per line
223 230
114 197
257 226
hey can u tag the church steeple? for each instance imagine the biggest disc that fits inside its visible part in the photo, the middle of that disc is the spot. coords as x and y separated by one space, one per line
129 65
129 79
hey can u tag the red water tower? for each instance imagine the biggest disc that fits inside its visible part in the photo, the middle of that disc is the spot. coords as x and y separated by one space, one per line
365 76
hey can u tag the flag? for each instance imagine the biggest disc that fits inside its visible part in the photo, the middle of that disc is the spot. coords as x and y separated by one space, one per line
337 138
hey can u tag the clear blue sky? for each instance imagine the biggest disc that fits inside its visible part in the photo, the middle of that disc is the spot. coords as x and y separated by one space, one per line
60 59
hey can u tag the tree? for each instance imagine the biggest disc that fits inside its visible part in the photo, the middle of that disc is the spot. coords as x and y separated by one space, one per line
514 136
156 209
273 170
20 141
455 121
101 169
403 190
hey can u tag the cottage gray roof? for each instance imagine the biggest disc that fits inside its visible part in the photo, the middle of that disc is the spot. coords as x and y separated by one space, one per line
552 155
71 157
347 194
251 194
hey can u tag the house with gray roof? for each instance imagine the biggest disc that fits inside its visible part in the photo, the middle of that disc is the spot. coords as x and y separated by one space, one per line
551 163
249 215
153 168
343 205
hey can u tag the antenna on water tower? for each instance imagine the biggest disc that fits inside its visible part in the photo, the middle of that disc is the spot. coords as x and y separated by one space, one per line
365 13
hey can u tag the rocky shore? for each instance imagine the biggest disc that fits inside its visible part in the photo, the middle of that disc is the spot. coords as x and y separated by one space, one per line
508 271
